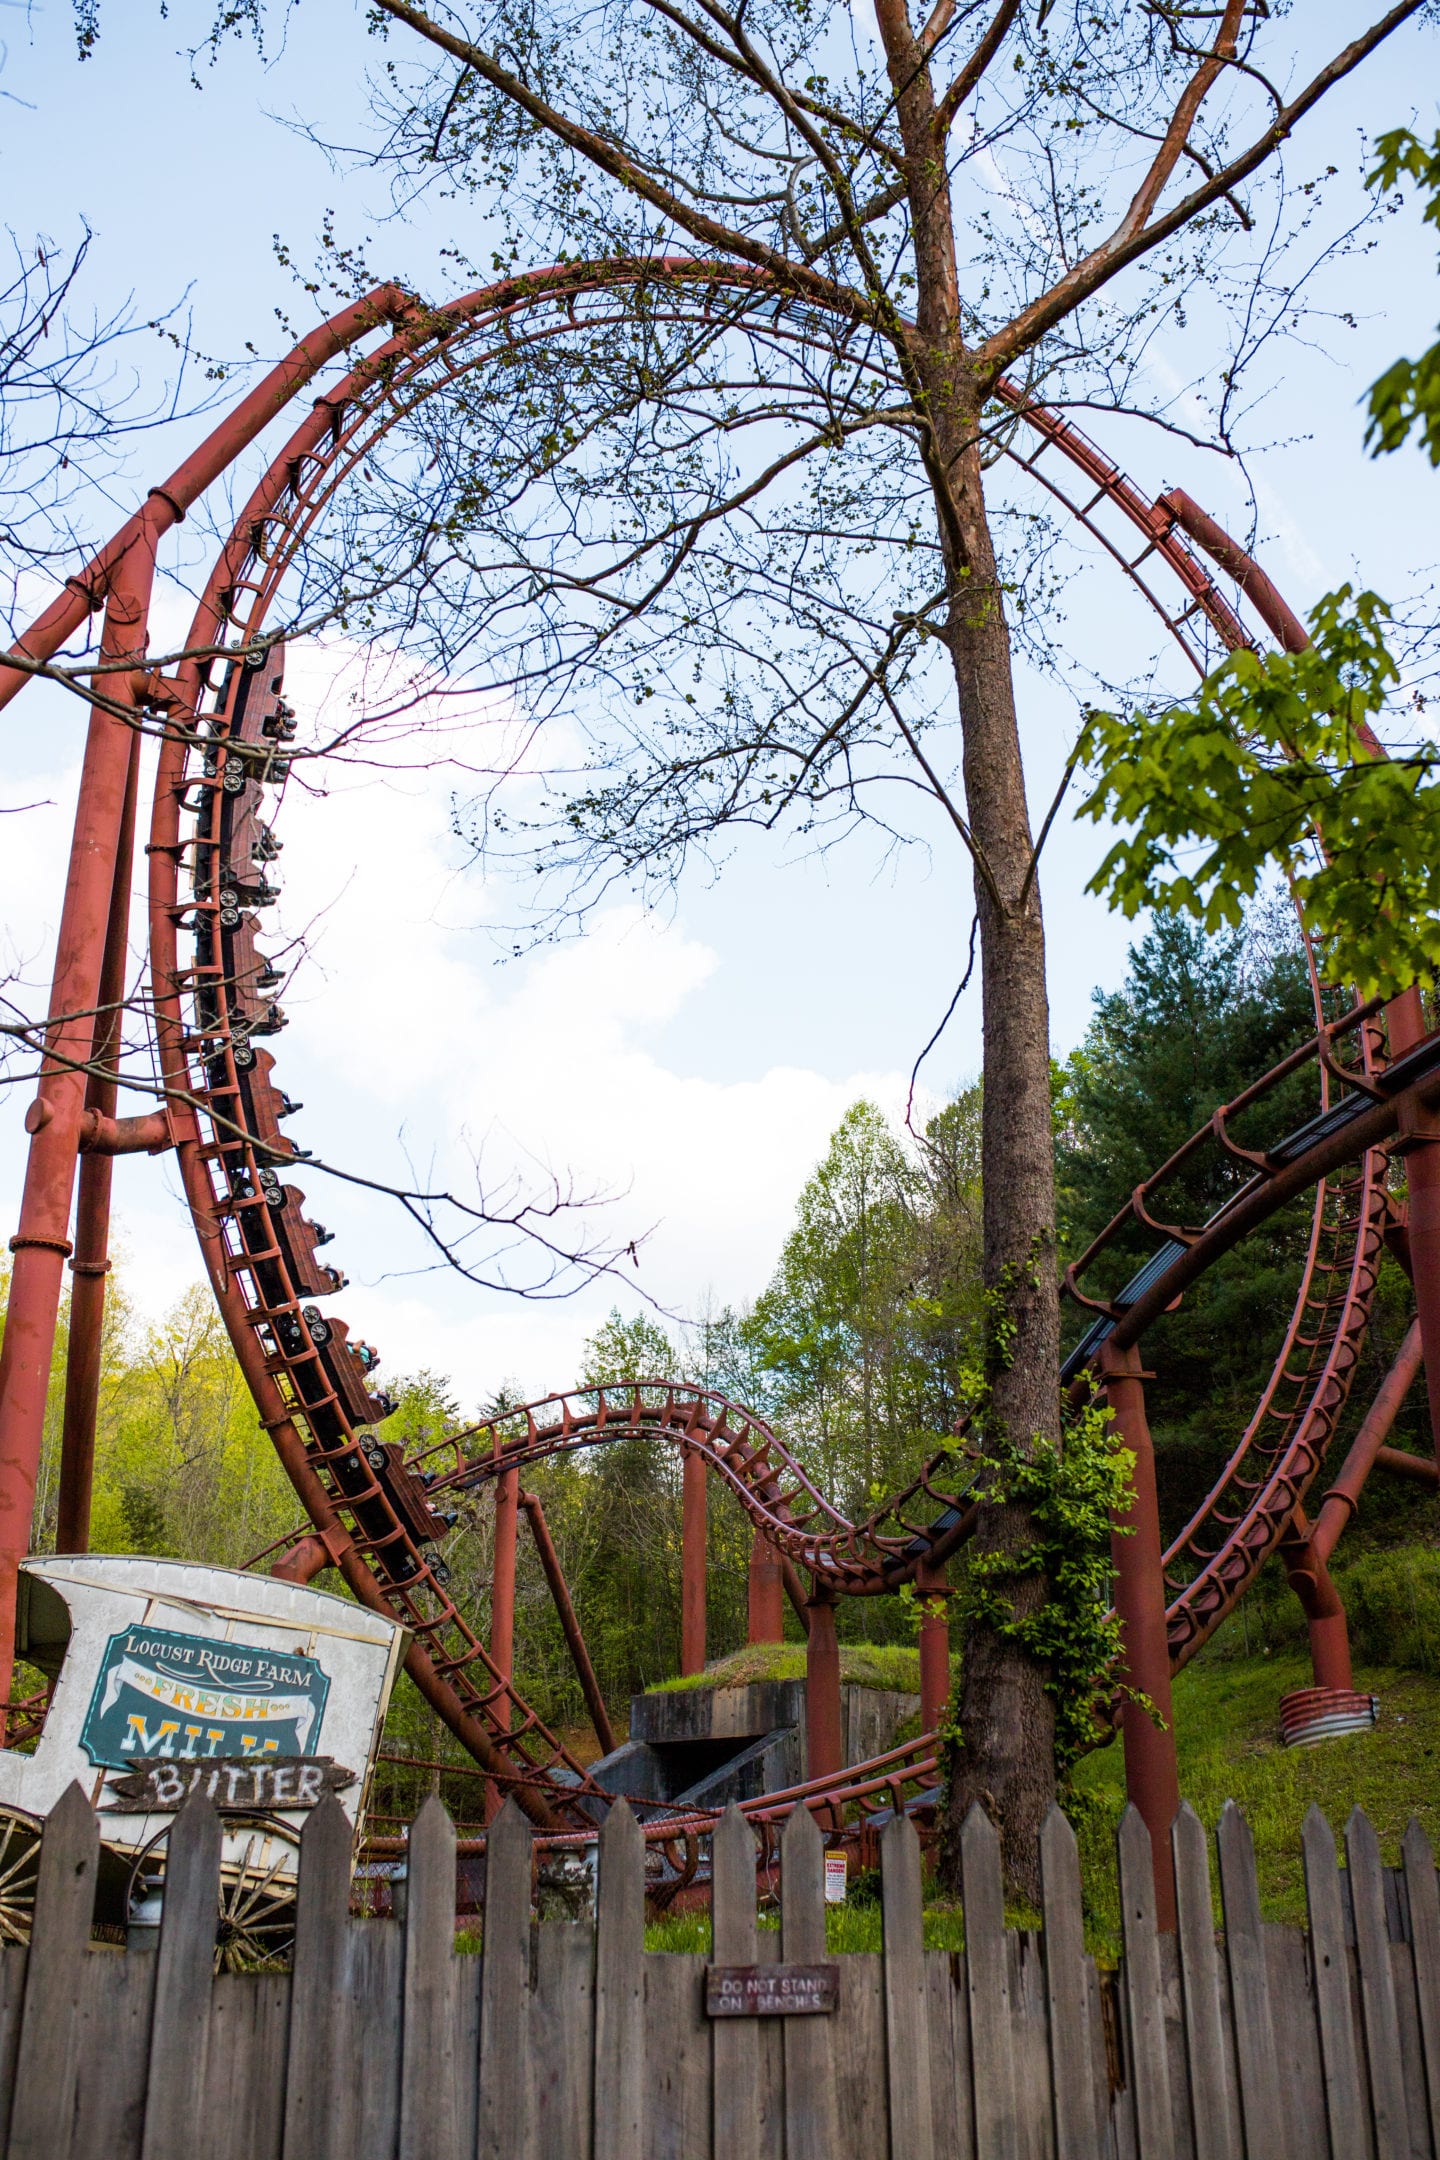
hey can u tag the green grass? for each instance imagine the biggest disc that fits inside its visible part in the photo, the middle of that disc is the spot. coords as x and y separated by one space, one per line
876 1665
1227 1723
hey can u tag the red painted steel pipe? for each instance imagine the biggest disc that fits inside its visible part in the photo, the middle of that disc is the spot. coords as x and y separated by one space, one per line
42 1243
824 1732
692 1564
502 1591
1152 1779
1421 1129
91 1262
166 505
303 1561
1342 1500
1401 1463
1232 558
575 1641
766 1619
1321 1603
934 1595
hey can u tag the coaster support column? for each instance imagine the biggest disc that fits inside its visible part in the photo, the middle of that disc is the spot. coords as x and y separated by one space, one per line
1152 1780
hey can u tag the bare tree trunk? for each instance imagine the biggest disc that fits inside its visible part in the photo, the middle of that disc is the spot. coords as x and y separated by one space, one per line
1005 1757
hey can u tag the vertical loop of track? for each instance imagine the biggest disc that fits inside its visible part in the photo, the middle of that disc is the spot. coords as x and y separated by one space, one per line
226 743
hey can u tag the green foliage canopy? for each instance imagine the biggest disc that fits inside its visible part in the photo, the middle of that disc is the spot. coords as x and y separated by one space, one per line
1276 751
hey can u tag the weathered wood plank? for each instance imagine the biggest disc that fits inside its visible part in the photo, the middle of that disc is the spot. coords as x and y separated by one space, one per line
502 2097
1072 2092
907 2022
810 2112
184 1973
1330 1978
987 1980
562 2041
1147 2056
619 2080
1208 2055
374 1979
1423 1891
857 2061
13 1958
429 2064
244 2097
1262 2115
1034 2126
678 2099
739 2125
1297 2041
118 2002
1377 1990
47 2060
951 2113
321 2044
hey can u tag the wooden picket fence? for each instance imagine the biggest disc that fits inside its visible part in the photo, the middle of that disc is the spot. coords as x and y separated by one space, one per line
568 2041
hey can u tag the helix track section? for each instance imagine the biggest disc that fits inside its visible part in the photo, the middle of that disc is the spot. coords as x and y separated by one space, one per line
228 739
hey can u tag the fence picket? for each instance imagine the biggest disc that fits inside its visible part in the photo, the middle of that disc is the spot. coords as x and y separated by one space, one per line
620 1989
1377 1990
316 2065
47 2063
1424 1896
502 2096
1261 2111
1149 2060
1200 1991
272 2064
1330 1975
737 2123
184 1976
987 1985
810 2128
1072 2092
428 2111
907 2017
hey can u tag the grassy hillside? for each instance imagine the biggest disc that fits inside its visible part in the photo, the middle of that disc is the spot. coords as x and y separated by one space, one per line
1227 1736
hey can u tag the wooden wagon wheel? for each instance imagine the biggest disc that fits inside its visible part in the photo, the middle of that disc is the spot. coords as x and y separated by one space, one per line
19 1866
255 1917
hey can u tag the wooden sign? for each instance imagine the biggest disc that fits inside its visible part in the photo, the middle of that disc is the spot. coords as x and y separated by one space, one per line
161 1784
770 1990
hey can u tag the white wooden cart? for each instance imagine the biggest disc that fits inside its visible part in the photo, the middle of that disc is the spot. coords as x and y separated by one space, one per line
166 1675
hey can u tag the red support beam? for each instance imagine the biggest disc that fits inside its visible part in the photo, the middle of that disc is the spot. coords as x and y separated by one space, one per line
767 1593
41 1245
91 1262
824 1732
560 1592
1342 1499
303 1561
1321 1602
502 1590
1152 1780
934 1595
692 1564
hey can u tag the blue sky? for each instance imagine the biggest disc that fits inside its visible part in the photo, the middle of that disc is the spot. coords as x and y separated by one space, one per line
690 1062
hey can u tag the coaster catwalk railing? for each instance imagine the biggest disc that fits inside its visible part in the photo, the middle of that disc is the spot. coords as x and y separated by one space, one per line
227 735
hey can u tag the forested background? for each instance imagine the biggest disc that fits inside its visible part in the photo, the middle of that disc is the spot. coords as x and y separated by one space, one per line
854 1348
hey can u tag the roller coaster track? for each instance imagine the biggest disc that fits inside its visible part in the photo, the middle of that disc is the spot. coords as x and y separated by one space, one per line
381 1518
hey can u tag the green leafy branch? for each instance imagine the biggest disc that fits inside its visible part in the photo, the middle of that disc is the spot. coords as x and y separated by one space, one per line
1407 395
1274 752
1071 1495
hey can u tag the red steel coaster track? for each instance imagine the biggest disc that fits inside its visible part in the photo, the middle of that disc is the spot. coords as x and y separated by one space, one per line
376 1516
